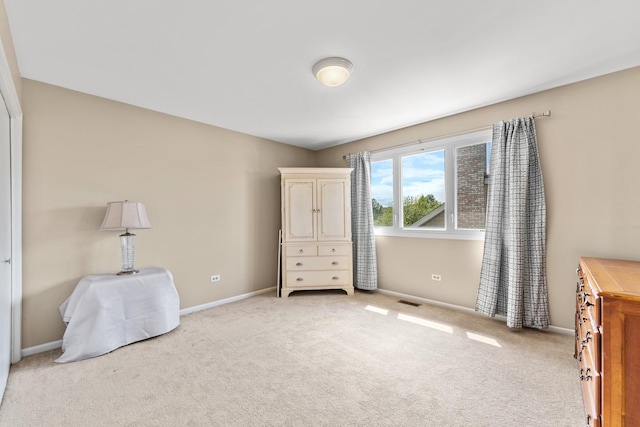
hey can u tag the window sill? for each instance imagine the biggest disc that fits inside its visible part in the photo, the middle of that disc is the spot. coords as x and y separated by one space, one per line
431 234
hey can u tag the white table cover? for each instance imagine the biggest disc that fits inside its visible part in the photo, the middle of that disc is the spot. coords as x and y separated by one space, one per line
105 312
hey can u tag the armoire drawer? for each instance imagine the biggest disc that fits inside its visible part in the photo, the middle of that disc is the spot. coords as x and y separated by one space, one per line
317 278
317 263
336 249
301 250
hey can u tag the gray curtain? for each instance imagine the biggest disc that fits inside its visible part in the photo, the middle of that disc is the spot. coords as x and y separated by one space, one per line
513 275
365 267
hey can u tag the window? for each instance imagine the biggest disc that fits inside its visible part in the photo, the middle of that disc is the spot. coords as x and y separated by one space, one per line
434 189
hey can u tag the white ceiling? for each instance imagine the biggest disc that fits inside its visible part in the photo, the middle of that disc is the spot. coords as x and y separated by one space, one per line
246 65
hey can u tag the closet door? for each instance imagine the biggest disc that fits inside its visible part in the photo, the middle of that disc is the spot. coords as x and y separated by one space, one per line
5 246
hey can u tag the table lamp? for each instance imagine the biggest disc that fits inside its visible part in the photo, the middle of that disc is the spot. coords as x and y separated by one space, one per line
126 215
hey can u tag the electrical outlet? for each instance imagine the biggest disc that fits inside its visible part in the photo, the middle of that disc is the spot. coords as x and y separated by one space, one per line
436 277
215 278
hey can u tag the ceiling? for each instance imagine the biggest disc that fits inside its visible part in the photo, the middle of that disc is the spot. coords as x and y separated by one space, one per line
246 65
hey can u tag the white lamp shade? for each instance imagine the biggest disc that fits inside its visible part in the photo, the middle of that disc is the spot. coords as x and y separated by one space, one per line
333 71
123 215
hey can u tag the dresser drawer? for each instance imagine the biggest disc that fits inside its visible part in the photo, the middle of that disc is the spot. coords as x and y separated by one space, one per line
590 301
317 278
589 344
317 263
301 250
590 385
337 249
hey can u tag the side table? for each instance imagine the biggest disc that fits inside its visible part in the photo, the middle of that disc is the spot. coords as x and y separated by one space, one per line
106 312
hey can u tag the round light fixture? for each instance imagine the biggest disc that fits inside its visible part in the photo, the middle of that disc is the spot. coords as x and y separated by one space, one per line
332 71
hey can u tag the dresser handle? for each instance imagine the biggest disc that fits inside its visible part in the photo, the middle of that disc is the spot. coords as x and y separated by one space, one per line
333 249
335 277
299 279
301 251
298 264
585 375
588 304
335 263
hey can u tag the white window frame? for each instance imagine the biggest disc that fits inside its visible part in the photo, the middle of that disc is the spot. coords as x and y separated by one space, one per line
449 145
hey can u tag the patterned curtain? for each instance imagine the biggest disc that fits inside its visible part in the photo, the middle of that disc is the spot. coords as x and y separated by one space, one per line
513 277
365 267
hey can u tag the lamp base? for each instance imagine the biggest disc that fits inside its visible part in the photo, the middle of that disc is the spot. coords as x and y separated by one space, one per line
128 253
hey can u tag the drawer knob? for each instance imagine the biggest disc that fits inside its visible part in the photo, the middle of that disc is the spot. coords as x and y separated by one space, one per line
335 263
333 249
298 264
299 279
335 277
301 251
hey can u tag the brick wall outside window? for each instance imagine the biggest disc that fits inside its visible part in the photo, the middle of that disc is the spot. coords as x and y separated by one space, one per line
471 188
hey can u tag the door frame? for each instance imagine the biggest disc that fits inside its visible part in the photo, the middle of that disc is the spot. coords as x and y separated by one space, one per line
12 101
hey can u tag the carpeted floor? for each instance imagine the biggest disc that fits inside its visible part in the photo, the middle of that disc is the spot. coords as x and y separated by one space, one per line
314 359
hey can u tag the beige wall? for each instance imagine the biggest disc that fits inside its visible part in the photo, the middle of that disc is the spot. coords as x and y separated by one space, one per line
212 196
589 149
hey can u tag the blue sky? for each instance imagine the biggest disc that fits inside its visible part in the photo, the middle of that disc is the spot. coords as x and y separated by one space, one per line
422 173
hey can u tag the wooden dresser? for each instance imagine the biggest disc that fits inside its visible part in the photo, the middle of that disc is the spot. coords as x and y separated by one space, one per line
608 340
316 229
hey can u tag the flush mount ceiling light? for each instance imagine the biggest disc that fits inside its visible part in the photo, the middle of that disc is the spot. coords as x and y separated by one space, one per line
332 71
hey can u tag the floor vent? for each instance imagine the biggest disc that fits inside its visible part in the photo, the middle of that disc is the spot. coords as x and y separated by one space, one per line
414 304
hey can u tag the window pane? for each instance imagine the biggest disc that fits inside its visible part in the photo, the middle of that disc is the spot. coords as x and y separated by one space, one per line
423 193
382 192
472 178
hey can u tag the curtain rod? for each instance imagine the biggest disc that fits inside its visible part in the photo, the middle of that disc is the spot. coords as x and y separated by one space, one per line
421 141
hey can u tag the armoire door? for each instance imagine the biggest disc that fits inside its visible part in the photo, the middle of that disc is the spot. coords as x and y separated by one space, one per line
300 210
5 246
334 209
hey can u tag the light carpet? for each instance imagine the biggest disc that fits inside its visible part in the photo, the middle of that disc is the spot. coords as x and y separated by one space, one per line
313 359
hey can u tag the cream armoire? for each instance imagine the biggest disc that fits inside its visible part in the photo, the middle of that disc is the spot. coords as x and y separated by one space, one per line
316 229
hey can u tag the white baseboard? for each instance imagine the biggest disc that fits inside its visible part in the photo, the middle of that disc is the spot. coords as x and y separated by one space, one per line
556 329
30 351
225 301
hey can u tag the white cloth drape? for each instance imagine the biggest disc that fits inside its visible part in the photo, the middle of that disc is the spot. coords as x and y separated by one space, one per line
513 275
365 268
106 312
